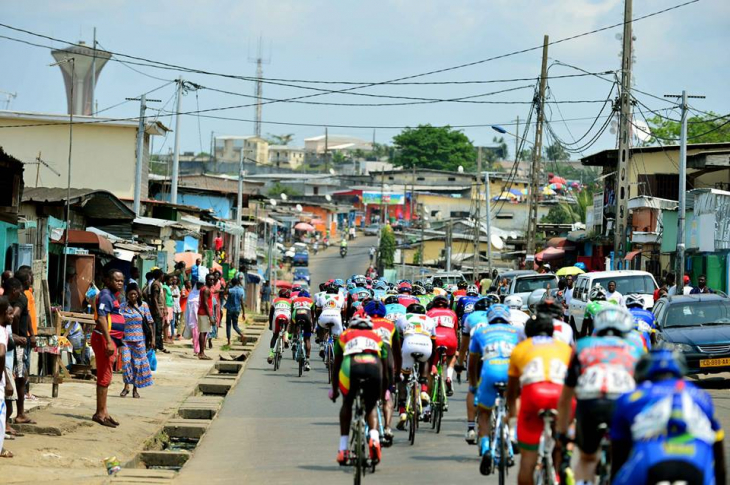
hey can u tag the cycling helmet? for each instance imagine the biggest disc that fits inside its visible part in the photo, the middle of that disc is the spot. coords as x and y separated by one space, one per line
549 305
360 282
451 288
418 282
438 283
613 318
660 363
391 291
339 282
416 308
540 324
304 294
597 293
350 286
482 305
514 302
418 290
634 300
404 287
472 290
440 301
374 308
391 300
284 293
492 298
296 288
323 286
498 313
462 285
381 285
428 287
361 322
332 289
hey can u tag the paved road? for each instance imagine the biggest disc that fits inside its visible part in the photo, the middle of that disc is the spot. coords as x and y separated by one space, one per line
278 428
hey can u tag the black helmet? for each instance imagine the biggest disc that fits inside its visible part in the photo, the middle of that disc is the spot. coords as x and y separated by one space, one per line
391 299
438 283
482 305
428 287
440 301
462 285
551 307
540 324
416 308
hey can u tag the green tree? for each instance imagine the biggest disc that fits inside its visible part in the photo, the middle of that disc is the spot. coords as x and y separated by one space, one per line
386 251
525 155
503 150
559 214
280 139
338 158
439 148
556 152
706 128
277 189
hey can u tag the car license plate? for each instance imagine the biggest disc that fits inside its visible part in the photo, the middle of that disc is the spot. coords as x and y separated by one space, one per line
714 362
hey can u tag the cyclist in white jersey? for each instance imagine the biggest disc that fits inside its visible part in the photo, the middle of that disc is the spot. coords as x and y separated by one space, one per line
332 304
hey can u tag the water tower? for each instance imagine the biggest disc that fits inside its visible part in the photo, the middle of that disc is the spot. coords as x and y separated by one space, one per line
85 60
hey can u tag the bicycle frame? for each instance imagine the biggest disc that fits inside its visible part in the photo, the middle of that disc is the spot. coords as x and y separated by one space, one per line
439 401
545 469
500 435
414 407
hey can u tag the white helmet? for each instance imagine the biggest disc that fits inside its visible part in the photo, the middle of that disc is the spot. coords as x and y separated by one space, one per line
634 300
514 302
597 293
615 318
472 290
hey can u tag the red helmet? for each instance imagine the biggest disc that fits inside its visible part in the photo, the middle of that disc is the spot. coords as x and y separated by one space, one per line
404 287
284 293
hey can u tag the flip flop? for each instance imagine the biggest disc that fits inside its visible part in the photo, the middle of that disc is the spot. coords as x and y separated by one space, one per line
9 437
14 432
6 454
103 422
28 421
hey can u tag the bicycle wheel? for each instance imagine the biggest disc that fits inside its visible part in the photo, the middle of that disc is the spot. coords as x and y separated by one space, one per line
415 411
435 404
359 456
503 436
276 358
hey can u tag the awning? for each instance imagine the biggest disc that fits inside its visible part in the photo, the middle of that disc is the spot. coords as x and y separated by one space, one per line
88 238
560 242
631 255
230 228
550 254
186 220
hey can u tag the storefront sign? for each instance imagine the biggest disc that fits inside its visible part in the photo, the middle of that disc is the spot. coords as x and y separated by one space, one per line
387 199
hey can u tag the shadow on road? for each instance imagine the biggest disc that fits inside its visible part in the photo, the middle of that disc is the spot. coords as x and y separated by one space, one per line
711 382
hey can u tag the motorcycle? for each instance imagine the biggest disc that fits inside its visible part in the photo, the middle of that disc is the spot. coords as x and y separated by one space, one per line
315 248
343 251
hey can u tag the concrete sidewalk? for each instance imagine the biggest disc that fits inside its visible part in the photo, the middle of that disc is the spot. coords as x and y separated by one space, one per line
72 447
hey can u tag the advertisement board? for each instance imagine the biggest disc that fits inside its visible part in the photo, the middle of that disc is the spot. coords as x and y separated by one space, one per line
389 198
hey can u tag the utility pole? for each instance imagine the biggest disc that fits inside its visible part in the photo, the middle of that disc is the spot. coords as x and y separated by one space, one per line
140 150
176 154
423 230
239 210
517 141
260 61
682 188
624 143
93 75
382 188
535 176
449 243
477 211
487 194
326 149
413 190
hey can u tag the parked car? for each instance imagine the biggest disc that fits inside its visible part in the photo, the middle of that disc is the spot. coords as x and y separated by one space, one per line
522 283
699 326
371 230
448 278
301 258
301 275
627 281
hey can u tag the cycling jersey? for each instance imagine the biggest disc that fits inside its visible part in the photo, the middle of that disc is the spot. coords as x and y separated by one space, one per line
379 294
361 352
593 307
464 306
395 312
518 318
385 328
425 300
439 291
671 428
473 321
407 300
493 344
318 299
417 333
445 321
540 363
331 314
302 311
644 323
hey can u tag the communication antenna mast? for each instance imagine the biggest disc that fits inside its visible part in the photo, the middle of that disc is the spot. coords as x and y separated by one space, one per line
260 61
9 97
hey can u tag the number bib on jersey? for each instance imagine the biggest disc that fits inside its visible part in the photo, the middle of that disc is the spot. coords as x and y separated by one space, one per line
446 321
358 345
497 350
604 380
384 334
535 371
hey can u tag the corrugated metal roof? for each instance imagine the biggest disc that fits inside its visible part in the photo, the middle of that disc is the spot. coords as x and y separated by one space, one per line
95 204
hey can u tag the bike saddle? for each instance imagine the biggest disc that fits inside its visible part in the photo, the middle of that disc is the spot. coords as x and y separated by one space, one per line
441 348
417 355
500 386
548 413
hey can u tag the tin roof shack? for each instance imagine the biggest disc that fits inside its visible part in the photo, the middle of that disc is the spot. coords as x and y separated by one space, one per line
11 190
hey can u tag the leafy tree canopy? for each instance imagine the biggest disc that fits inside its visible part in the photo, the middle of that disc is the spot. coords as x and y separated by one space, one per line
706 128
556 152
386 251
277 189
280 139
440 148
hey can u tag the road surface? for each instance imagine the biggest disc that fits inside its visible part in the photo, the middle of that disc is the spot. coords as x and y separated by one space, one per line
277 428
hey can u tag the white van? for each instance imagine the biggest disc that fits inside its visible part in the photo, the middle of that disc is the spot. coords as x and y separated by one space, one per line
627 281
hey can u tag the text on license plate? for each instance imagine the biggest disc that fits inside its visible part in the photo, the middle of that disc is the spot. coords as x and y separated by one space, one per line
714 362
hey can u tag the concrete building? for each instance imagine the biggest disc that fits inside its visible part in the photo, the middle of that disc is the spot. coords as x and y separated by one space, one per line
228 148
286 156
103 154
335 143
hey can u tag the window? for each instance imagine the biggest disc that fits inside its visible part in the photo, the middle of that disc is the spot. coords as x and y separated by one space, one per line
316 190
525 285
420 179
452 179
390 178
628 284
697 314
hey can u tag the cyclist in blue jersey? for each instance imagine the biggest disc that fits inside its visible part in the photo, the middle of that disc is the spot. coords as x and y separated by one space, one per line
465 305
489 352
666 431
600 371
394 311
644 321
474 320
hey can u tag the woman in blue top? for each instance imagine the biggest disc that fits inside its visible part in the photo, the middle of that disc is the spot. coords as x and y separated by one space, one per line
136 367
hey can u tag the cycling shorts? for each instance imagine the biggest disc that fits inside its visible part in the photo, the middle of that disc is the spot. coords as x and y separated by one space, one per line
535 398
306 322
651 463
445 337
361 371
280 323
415 344
333 320
493 371
589 415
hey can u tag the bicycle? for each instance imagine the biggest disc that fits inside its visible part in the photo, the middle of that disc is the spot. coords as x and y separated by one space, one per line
300 350
329 352
603 470
414 407
545 470
500 437
359 453
278 350
439 401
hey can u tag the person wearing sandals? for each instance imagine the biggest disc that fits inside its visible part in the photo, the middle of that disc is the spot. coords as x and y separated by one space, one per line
136 367
6 316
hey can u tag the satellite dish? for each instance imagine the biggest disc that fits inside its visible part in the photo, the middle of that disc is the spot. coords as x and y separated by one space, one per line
332 171
460 169
299 207
283 196
328 198
272 202
497 242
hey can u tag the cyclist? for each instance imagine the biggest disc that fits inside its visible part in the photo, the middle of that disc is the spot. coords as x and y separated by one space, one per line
394 311
359 361
418 335
391 342
379 289
600 371
333 303
446 329
536 373
465 304
424 297
644 321
438 287
561 330
279 317
460 291
490 349
597 300
295 289
518 318
302 314
476 319
405 296
666 431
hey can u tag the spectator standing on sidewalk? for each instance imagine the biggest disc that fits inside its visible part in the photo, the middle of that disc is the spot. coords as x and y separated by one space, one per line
265 296
25 275
107 310
234 307
158 308
21 336
169 327
191 317
177 323
206 315
137 319
6 317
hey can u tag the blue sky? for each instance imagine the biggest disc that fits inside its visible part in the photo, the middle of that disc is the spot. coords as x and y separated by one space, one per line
379 40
